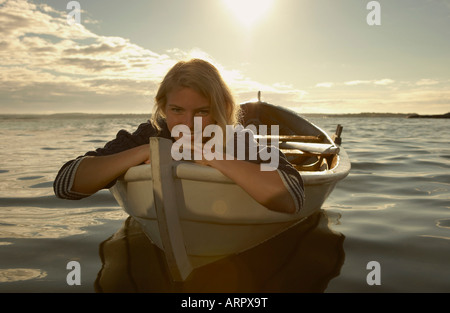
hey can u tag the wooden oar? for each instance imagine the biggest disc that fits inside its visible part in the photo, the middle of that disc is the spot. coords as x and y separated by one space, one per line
311 148
298 138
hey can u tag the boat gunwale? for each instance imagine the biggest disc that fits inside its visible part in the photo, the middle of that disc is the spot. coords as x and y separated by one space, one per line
192 171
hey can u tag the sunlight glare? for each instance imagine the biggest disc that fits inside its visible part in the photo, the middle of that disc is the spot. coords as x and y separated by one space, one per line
248 11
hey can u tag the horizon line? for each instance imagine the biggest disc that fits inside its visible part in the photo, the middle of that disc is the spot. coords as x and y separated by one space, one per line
149 114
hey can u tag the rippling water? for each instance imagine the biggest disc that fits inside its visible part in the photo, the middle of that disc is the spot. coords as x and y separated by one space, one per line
393 208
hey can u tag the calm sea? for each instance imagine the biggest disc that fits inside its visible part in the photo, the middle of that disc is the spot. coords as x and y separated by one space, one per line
393 208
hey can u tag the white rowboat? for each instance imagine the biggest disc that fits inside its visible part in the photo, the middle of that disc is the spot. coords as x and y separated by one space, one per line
196 215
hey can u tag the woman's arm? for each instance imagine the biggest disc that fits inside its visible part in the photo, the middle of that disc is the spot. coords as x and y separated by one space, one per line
83 176
95 172
266 187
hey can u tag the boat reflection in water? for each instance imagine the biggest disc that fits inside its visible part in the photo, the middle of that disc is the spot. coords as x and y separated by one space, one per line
304 258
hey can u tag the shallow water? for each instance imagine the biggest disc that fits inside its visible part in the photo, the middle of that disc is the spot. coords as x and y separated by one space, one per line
393 208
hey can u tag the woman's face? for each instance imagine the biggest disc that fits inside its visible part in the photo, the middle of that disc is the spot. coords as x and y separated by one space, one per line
183 104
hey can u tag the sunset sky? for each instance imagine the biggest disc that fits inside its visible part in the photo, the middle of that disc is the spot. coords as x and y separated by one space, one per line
315 56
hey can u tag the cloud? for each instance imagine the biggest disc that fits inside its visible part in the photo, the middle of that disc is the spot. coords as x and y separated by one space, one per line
47 65
325 85
102 48
384 82
425 96
44 60
19 17
426 82
95 65
357 82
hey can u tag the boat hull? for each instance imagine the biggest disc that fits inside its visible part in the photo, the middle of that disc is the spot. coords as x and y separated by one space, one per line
197 215
217 217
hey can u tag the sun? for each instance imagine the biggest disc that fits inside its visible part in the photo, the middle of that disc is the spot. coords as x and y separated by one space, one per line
248 11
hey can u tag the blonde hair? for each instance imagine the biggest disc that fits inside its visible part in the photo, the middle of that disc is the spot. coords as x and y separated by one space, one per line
205 79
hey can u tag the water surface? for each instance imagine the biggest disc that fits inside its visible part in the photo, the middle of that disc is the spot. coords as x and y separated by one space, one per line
393 208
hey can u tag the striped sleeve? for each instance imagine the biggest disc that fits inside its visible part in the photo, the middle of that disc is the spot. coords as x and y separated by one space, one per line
294 184
64 180
291 178
63 183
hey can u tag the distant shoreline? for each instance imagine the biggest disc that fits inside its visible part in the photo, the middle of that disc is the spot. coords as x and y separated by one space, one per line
447 115
73 115
147 115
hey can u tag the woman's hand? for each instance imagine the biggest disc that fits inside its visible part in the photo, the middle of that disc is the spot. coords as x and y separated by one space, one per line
94 173
266 187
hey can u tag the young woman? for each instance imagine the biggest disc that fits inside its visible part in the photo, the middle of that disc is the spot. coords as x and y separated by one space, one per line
190 89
